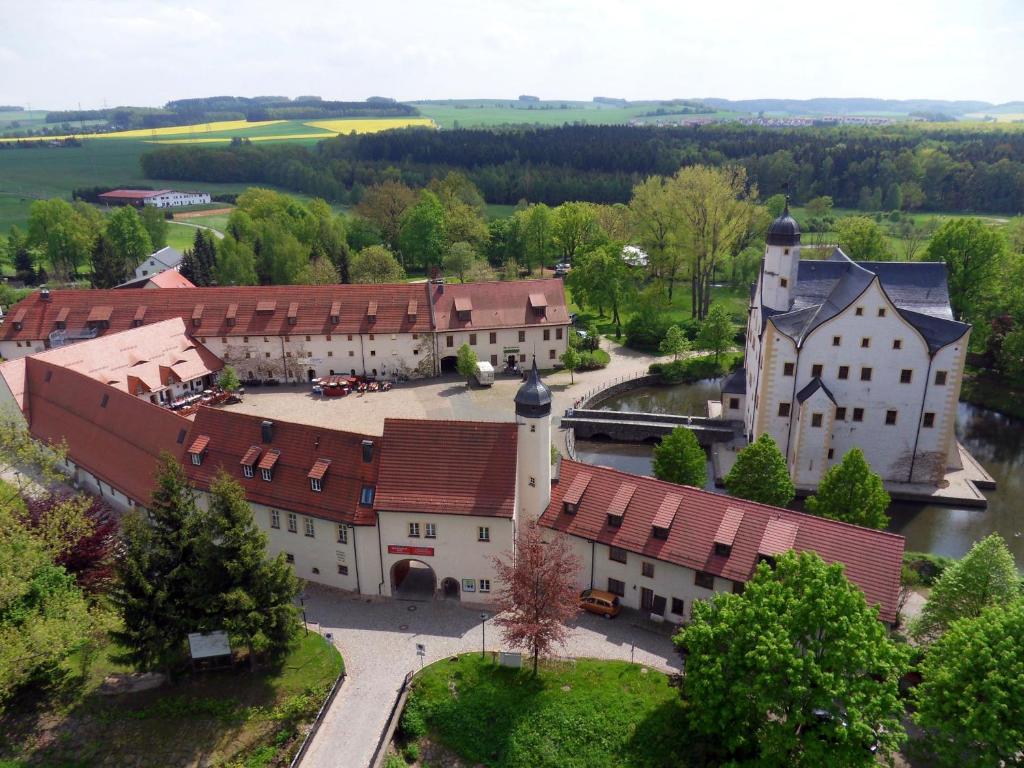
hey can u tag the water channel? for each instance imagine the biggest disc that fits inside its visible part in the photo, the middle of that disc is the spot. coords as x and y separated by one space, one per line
997 441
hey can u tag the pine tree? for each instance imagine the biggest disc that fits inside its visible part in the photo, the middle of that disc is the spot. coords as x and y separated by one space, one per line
760 474
108 269
851 492
680 459
159 593
250 596
189 268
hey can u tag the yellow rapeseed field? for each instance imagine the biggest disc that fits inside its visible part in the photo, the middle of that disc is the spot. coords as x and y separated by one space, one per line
371 125
177 130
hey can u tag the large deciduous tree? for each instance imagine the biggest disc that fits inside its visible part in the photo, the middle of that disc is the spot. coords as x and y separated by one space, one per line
862 239
985 576
574 228
760 474
972 252
128 237
601 278
63 232
678 458
675 342
236 263
423 239
715 209
970 702
375 264
77 531
655 219
537 593
716 331
851 492
156 226
796 671
465 361
385 204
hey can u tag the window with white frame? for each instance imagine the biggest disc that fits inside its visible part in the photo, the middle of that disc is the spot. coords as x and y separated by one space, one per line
431 532
342 534
366 496
309 529
293 522
247 470
265 473
414 530
314 483
485 585
197 459
483 533
275 519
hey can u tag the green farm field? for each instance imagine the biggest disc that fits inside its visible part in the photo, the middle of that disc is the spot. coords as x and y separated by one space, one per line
472 113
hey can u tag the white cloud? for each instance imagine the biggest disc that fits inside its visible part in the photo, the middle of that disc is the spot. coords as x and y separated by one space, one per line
58 52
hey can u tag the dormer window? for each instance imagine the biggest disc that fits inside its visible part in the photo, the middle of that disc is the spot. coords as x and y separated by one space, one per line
723 550
316 474
293 313
366 496
614 521
315 485
248 461
569 508
266 474
335 312
198 449
247 470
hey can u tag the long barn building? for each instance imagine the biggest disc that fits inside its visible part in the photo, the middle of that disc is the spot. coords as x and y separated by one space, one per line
299 332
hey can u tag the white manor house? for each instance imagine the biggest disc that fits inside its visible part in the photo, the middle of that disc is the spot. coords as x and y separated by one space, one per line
843 354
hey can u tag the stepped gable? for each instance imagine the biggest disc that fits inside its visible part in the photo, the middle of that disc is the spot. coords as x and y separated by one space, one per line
109 433
226 438
254 310
504 304
448 467
872 559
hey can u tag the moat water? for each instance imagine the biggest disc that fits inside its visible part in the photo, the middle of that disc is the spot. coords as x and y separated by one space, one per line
995 440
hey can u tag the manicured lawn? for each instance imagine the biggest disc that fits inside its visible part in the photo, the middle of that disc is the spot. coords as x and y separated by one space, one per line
735 300
587 713
214 716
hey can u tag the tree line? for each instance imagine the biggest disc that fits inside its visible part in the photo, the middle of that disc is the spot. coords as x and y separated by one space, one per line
948 168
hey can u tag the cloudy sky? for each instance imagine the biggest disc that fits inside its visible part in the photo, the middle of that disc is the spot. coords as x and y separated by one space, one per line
145 52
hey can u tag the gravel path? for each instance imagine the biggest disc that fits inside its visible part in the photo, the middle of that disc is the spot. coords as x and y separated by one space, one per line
378 641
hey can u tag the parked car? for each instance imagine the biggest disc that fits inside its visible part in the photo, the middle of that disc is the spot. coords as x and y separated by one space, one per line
602 603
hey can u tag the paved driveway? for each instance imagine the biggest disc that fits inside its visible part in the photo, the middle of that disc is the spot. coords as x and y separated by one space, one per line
378 640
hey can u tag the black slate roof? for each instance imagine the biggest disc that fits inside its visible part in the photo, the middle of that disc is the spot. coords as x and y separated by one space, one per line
735 383
533 398
826 288
813 386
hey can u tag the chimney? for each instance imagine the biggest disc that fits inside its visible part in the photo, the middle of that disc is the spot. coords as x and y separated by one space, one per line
44 293
367 451
267 431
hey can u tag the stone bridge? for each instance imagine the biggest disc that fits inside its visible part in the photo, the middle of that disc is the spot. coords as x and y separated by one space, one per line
640 427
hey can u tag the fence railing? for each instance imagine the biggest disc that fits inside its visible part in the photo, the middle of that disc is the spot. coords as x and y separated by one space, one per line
584 400
392 723
311 733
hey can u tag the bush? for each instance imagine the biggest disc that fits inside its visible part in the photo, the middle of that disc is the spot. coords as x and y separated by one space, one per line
693 369
411 752
593 360
647 328
925 566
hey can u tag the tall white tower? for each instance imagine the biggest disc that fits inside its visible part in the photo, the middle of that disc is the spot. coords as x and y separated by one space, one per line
533 465
781 262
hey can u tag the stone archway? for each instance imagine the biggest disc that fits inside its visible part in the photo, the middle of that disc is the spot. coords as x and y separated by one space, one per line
450 588
413 580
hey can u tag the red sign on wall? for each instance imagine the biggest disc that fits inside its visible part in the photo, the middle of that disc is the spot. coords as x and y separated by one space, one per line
394 549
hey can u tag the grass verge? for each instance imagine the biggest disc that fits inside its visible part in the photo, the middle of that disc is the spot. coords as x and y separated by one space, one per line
227 718
587 713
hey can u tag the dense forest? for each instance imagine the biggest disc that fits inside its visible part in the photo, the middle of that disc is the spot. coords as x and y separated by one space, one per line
878 168
188 111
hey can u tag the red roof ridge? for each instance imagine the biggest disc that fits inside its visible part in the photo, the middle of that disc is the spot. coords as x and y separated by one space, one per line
736 499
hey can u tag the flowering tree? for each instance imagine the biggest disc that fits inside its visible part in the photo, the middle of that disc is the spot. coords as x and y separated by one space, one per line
538 592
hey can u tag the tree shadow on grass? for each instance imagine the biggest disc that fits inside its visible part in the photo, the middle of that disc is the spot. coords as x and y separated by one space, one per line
203 716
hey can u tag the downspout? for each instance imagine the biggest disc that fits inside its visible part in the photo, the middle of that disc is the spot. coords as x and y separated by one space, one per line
920 416
792 400
362 353
355 550
593 551
380 550
284 363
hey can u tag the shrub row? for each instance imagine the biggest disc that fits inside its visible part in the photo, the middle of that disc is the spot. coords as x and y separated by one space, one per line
691 369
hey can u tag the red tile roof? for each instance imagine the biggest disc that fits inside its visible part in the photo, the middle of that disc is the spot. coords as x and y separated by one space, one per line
667 511
139 359
499 304
133 194
250 456
171 278
730 524
199 444
269 459
872 558
315 304
574 492
319 469
119 442
236 435
779 536
620 501
448 467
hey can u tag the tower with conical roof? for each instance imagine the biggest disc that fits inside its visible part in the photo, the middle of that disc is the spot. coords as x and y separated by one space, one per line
533 470
781 262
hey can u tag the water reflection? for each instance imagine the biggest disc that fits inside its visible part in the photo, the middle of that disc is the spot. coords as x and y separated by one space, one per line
995 440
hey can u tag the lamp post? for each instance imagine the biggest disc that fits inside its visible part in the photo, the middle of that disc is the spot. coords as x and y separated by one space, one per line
483 635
